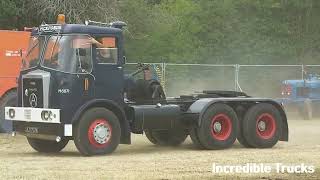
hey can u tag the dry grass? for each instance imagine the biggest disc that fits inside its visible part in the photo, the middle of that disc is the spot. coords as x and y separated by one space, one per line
142 160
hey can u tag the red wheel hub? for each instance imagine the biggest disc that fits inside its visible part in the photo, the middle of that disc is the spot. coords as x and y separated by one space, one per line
266 126
221 127
99 133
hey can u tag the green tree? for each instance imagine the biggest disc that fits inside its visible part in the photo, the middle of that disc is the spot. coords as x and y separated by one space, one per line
8 14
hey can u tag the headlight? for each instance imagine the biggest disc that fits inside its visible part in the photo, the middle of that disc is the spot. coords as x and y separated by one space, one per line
46 115
12 113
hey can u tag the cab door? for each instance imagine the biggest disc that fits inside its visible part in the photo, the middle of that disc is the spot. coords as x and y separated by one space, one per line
108 71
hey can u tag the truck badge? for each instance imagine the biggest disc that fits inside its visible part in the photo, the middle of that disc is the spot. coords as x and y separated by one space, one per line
33 100
63 91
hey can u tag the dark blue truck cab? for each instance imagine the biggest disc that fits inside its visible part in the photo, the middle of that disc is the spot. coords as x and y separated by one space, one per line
73 87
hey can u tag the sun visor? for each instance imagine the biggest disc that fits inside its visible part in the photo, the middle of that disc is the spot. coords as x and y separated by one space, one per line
109 42
81 43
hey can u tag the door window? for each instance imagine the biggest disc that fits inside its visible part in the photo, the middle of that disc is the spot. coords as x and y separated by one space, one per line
107 51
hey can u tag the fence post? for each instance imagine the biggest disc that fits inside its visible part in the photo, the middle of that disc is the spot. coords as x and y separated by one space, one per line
163 81
302 71
236 76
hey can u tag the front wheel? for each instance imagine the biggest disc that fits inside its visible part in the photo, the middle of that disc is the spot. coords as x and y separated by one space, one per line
97 132
46 146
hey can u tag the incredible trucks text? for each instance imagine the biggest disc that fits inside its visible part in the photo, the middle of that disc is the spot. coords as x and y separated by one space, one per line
12 45
71 89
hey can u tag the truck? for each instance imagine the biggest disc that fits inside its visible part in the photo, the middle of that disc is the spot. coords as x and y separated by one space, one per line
302 95
73 87
13 45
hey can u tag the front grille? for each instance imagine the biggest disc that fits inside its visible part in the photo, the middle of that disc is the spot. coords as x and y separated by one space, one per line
33 92
27 114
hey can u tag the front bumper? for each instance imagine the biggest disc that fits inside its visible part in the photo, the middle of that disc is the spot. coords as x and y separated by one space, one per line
32 123
27 114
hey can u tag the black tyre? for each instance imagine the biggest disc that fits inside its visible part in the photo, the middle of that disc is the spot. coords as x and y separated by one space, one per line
150 137
219 127
9 99
46 146
195 139
157 90
97 132
240 137
262 126
172 137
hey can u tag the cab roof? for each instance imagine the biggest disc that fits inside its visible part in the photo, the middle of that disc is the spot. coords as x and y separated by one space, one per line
79 29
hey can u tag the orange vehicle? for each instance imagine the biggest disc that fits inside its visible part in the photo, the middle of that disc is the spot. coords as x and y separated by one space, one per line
13 44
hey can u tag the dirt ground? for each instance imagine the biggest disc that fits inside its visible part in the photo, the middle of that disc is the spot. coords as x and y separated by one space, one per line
142 160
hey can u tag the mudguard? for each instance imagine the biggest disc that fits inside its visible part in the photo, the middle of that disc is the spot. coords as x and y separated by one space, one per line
201 105
114 107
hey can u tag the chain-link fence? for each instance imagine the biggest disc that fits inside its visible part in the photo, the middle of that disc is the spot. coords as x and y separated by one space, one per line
188 78
255 80
265 80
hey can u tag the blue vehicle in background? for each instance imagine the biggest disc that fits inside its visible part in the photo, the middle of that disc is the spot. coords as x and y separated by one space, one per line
302 95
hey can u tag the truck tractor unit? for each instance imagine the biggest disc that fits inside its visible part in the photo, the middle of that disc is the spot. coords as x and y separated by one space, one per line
302 95
73 87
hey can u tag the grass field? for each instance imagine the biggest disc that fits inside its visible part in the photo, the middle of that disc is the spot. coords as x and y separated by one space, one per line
142 160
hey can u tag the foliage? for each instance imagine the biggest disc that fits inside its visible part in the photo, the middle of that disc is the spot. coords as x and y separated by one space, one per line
192 31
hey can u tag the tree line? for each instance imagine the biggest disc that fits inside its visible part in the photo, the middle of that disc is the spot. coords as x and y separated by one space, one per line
192 31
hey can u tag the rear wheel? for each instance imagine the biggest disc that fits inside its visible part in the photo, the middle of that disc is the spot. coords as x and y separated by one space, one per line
218 129
9 99
97 132
262 126
172 137
241 139
150 137
47 146
195 139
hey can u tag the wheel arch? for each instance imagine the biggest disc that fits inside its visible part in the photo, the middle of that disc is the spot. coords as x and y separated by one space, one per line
201 105
112 106
13 89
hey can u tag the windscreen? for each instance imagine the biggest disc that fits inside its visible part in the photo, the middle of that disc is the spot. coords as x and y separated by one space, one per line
32 57
68 53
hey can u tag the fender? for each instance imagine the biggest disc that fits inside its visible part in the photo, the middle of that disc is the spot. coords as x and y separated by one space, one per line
112 106
201 105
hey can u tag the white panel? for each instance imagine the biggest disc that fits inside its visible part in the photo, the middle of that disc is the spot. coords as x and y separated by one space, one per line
32 114
68 130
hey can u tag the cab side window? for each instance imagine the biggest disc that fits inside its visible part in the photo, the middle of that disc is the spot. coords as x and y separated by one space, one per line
107 51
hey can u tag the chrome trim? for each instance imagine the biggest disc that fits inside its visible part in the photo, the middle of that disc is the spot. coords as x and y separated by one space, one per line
45 84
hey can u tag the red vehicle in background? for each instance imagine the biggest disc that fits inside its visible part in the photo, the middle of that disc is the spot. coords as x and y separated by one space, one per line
13 45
